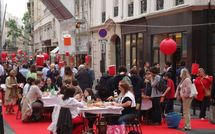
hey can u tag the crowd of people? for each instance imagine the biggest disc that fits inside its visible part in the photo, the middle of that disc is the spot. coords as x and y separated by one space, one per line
148 92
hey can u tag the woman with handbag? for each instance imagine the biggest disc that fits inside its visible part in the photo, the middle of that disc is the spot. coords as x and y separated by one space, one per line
203 85
184 91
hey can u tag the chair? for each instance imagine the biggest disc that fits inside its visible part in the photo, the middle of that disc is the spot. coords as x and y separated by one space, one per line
64 124
132 123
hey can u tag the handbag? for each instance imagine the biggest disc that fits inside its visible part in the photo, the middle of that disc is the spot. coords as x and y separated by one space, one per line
193 90
207 91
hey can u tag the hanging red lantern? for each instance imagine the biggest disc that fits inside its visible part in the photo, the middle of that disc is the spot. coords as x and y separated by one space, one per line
40 60
20 52
3 55
13 55
67 53
46 56
195 68
87 59
14 59
168 46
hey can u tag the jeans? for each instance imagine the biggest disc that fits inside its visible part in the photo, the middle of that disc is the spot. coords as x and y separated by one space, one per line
186 111
169 105
156 110
127 119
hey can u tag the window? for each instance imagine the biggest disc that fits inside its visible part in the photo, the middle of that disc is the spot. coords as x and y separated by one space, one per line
77 7
103 16
116 8
179 2
130 8
127 52
103 11
160 4
143 4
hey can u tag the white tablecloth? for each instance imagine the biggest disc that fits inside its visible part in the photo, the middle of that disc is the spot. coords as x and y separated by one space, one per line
49 101
101 110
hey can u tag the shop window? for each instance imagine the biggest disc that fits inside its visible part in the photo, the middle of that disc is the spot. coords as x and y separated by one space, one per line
143 4
160 4
130 8
134 50
179 2
140 40
127 51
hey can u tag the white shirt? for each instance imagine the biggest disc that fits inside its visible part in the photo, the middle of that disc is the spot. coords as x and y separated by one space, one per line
26 88
70 103
44 71
130 95
2 72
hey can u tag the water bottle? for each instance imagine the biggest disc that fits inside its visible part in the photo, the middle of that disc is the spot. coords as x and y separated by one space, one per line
52 92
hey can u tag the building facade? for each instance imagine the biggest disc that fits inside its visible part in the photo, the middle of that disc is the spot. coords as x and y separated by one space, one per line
143 24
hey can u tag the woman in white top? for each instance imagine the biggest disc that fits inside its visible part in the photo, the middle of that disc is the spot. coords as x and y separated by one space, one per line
185 91
73 103
127 101
32 103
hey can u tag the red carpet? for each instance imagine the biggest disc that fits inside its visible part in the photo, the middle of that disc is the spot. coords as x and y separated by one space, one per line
41 127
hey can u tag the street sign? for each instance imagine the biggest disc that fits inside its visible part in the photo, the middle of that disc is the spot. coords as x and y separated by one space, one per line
102 33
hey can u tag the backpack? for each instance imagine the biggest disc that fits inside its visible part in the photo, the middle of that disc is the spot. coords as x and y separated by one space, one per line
161 85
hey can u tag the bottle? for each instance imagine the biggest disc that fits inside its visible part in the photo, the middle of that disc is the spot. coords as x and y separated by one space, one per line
115 95
52 91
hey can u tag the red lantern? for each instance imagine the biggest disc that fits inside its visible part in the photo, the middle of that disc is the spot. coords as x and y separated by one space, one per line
87 59
20 52
40 60
3 55
67 53
46 56
195 68
112 70
14 59
13 55
168 46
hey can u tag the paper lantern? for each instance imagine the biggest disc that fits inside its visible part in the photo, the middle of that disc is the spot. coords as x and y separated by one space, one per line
46 56
19 51
112 70
168 46
67 40
3 55
14 59
40 60
67 53
87 59
195 68
13 55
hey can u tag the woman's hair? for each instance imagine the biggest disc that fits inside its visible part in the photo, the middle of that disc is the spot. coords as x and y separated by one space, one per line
33 69
122 69
185 74
168 75
90 91
125 85
74 82
68 71
30 80
68 92
12 72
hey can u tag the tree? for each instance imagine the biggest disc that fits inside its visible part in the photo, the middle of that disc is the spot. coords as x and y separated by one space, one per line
26 29
13 31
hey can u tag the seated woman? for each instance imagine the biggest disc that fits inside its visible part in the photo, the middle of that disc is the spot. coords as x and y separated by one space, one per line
32 106
126 100
73 103
49 86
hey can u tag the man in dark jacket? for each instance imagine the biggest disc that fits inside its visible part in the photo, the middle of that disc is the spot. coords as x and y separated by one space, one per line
84 78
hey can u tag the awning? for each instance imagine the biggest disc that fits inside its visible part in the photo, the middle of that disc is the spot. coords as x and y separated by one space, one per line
57 8
54 51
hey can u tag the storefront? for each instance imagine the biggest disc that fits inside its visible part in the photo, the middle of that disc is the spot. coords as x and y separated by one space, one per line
133 43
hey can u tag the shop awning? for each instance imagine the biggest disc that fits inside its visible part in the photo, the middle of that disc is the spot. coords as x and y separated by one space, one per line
57 8
55 51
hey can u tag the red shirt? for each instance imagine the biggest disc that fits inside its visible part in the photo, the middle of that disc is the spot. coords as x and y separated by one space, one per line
171 93
199 82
